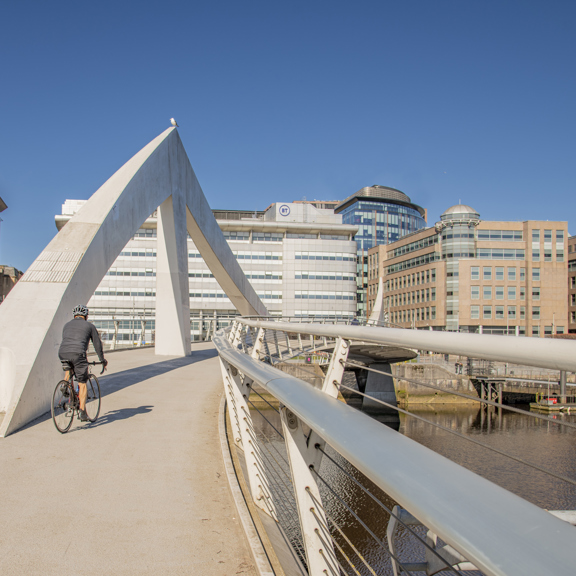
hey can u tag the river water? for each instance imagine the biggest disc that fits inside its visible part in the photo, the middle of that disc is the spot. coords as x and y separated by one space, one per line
543 443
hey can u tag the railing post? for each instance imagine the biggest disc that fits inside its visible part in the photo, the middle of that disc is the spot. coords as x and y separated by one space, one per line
237 388
258 344
304 457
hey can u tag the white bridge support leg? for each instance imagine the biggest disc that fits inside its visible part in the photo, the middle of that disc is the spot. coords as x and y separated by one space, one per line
172 298
237 388
305 456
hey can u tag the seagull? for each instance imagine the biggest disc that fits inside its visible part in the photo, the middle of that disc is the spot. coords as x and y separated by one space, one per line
174 123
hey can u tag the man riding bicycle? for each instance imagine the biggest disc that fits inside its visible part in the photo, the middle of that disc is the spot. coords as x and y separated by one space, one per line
76 336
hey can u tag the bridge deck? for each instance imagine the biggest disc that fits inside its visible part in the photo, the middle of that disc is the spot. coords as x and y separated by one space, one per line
141 491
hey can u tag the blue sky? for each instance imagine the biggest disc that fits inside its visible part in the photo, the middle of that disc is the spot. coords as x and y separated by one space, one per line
469 100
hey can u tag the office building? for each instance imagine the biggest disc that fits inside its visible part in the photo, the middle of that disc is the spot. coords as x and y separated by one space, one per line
300 259
572 285
382 215
471 275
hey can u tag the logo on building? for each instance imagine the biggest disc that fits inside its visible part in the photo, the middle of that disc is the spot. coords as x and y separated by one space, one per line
284 210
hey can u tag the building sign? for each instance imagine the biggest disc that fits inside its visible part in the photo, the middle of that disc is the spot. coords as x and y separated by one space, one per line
284 210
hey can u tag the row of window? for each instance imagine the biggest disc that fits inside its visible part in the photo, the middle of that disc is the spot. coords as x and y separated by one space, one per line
500 254
499 273
147 272
415 279
499 292
548 255
414 297
413 262
416 315
266 296
332 276
247 255
499 312
336 256
310 295
502 235
548 236
116 292
413 246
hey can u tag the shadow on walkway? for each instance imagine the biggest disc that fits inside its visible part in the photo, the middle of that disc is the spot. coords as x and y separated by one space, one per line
121 414
121 380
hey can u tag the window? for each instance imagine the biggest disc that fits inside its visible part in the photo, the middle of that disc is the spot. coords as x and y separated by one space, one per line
536 312
573 282
499 313
522 274
535 236
559 329
500 273
499 292
433 313
572 299
559 255
511 292
522 293
433 275
487 292
536 294
535 274
512 274
522 312
547 255
474 312
547 330
475 273
547 235
487 272
535 330
475 292
427 276
572 316
427 294
512 312
487 311
433 294
559 236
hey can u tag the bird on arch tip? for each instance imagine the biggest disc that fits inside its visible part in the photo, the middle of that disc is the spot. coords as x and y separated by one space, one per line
173 122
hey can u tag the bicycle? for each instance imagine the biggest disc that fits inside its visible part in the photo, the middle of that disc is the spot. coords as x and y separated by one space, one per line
65 401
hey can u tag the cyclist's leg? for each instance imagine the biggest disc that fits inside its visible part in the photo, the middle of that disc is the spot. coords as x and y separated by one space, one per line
81 371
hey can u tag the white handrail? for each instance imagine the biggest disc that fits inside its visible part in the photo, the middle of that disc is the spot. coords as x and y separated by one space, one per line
499 532
543 352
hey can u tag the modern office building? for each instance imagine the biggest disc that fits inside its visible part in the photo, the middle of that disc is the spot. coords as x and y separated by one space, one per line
383 215
572 285
471 275
301 261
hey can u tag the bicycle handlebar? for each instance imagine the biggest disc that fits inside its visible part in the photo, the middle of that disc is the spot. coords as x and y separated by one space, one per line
96 363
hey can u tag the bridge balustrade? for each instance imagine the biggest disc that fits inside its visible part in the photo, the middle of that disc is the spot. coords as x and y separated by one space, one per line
460 520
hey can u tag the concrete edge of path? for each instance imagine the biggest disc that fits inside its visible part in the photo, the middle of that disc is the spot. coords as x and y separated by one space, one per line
261 558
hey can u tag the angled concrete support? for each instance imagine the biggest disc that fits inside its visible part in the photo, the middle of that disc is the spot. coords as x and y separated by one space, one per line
172 298
70 268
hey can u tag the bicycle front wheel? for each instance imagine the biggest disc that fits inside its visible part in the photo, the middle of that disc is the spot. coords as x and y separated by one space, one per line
93 398
62 408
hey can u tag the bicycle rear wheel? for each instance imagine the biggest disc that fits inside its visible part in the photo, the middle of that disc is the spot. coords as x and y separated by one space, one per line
62 408
93 398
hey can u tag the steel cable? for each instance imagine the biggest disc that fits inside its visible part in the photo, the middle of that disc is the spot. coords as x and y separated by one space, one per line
363 524
464 437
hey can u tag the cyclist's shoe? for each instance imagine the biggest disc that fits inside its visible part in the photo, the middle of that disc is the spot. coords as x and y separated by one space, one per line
83 415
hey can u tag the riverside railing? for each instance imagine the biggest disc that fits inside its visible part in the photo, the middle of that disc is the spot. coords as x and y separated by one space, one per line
480 525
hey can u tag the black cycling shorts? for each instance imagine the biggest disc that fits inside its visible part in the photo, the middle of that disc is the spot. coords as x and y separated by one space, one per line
76 362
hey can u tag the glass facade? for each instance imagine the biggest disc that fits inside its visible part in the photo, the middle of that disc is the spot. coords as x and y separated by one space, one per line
383 215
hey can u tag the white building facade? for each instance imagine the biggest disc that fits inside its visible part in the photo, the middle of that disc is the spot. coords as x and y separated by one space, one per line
301 261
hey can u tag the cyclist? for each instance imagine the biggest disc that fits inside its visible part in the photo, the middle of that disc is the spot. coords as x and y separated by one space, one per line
76 336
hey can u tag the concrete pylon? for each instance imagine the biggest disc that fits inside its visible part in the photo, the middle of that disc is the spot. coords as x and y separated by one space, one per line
72 265
378 315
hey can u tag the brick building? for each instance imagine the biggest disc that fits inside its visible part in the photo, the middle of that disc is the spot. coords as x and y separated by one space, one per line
471 275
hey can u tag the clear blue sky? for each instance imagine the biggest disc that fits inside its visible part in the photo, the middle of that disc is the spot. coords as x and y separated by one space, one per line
470 100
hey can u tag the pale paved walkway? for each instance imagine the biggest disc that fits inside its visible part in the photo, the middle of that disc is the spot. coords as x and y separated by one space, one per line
141 491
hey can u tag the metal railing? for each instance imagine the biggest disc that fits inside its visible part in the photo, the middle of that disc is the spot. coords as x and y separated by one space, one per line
471 523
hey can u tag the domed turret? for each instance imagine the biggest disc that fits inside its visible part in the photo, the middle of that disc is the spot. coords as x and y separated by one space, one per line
460 212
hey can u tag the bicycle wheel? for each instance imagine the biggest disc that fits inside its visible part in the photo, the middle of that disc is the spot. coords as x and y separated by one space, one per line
62 408
93 398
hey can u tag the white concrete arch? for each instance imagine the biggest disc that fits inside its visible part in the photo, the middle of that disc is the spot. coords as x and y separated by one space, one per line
70 268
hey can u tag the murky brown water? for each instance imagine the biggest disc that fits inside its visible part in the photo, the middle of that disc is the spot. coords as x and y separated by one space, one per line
537 441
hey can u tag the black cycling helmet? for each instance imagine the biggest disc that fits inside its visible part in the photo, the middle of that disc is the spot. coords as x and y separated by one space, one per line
80 310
